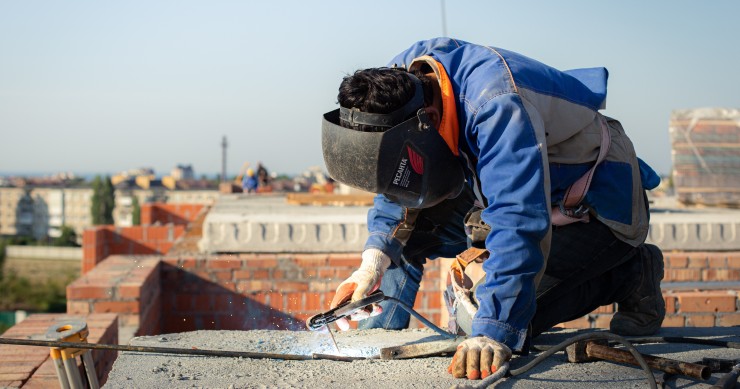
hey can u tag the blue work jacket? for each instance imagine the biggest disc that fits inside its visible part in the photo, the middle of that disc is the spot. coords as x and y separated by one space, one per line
527 131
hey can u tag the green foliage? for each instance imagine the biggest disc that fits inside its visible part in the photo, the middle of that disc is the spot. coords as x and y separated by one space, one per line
136 212
67 239
20 240
109 200
3 244
20 293
96 201
103 201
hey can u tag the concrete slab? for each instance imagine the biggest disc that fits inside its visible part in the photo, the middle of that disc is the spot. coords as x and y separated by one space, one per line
240 223
145 370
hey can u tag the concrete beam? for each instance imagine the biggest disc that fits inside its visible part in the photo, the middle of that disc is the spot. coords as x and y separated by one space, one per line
268 224
673 227
241 223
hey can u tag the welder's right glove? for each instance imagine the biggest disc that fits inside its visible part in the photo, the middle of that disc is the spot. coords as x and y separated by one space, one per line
361 283
478 358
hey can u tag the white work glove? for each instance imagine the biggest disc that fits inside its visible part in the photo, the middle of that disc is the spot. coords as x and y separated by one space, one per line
478 358
361 283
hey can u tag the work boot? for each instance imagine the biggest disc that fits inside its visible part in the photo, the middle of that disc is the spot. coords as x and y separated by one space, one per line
643 311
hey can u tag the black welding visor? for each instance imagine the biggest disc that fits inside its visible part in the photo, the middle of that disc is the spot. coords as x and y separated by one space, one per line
409 162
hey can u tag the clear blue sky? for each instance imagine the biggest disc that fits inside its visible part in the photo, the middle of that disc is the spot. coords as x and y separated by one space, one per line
103 86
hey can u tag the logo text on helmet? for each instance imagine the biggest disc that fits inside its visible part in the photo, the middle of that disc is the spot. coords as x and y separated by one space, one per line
399 173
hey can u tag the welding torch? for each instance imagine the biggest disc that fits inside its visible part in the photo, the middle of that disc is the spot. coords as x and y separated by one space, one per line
349 308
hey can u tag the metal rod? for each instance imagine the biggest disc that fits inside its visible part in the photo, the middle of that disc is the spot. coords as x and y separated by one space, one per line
73 374
681 339
92 378
334 341
664 364
61 374
728 380
421 318
340 358
167 350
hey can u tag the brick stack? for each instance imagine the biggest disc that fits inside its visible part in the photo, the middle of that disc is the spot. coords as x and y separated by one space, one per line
31 367
161 225
126 286
163 213
706 156
103 241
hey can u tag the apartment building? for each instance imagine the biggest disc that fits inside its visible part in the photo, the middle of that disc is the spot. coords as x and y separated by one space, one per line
40 212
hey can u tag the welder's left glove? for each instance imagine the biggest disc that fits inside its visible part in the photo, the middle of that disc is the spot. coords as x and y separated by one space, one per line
478 358
360 284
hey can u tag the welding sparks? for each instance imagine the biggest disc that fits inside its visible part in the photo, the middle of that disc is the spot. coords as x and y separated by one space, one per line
322 346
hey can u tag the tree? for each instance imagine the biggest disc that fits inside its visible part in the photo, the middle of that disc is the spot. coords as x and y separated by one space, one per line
109 200
103 201
96 202
3 244
136 212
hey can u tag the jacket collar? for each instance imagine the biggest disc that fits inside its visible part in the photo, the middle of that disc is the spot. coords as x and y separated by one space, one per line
449 127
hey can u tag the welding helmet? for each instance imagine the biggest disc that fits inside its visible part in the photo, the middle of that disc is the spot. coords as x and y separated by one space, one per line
408 160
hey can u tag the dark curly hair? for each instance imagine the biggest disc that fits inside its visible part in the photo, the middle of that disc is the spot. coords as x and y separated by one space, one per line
380 90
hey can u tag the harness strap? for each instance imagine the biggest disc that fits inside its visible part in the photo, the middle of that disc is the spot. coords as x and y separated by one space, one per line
457 267
566 212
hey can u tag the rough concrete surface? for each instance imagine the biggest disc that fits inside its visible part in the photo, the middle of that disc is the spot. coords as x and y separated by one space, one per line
148 370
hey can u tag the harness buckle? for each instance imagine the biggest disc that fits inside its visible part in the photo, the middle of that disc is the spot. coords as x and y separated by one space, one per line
574 213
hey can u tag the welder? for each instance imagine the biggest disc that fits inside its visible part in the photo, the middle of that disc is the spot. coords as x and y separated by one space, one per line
471 146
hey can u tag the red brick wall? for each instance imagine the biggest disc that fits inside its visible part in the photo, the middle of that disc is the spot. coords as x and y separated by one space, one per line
126 286
94 246
268 291
163 213
102 241
31 367
161 225
702 266
249 289
264 291
689 308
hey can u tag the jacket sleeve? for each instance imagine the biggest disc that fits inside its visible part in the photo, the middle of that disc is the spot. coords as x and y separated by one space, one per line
511 170
420 48
389 226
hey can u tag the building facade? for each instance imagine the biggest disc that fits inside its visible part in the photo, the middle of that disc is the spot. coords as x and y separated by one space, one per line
40 212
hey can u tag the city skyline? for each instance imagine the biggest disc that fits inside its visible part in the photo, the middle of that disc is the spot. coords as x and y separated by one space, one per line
98 88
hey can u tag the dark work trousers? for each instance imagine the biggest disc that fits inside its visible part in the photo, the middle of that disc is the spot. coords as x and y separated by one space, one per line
587 267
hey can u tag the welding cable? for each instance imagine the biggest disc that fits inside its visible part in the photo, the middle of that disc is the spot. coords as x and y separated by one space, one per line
500 373
585 337
445 334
